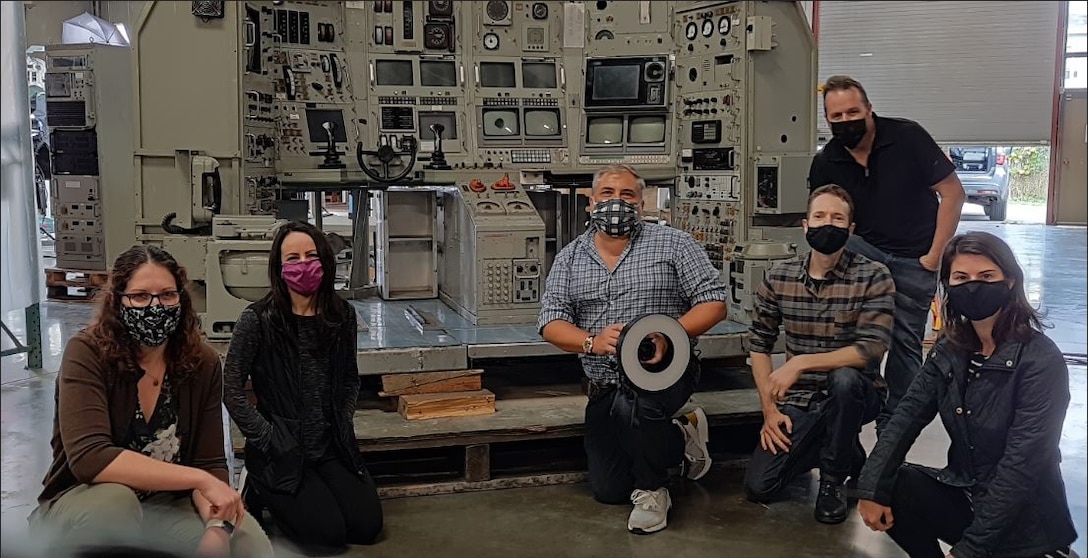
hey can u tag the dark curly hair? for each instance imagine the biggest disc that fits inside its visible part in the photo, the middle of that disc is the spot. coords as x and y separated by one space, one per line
109 336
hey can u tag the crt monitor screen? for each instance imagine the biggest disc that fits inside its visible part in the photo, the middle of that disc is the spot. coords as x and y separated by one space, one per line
393 72
315 120
542 122
497 74
604 130
437 73
448 120
538 75
646 129
616 82
501 122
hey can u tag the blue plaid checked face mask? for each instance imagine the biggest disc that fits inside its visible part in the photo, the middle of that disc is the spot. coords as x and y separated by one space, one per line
615 217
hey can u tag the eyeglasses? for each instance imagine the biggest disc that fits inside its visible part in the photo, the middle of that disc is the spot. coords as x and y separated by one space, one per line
143 300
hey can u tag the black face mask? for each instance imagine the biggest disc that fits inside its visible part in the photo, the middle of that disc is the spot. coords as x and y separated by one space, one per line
827 239
151 326
849 132
978 300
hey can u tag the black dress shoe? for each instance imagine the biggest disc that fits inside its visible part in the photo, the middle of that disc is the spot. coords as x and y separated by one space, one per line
831 503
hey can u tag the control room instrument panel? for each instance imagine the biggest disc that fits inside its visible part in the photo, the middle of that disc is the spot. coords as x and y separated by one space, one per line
715 101
558 86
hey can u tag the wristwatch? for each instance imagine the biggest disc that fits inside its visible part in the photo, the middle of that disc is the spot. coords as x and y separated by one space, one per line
587 345
220 523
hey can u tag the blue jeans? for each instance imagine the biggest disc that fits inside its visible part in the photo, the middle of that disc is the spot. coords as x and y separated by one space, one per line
914 290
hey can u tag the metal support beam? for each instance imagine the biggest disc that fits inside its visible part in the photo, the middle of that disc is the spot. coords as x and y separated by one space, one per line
359 284
33 346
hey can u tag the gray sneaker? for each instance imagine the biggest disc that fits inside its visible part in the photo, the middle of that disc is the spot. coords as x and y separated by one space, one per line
651 511
696 435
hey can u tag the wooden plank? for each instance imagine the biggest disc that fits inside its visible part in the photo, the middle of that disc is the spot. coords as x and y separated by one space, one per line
59 278
455 487
443 405
477 463
431 382
520 419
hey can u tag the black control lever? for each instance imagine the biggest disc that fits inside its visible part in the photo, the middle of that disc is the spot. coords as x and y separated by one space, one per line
332 156
438 158
387 157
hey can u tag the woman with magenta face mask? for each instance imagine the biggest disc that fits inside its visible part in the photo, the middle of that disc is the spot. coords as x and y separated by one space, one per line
1002 389
298 346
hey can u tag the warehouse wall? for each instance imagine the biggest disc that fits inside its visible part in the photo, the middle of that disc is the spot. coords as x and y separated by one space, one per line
44 19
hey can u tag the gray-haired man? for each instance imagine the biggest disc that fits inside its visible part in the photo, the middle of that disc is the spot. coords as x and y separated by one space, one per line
616 271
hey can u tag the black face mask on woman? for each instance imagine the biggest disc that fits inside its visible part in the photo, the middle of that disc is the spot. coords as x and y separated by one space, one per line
151 326
978 300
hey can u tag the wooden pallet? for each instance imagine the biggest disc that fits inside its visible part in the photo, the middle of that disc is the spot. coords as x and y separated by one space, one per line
531 441
74 284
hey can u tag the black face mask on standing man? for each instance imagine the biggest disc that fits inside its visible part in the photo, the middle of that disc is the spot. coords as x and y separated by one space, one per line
849 132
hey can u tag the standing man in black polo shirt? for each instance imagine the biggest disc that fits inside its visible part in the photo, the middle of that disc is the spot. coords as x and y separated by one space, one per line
907 201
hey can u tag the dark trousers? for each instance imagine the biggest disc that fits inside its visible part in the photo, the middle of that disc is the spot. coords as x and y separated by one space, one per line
825 435
914 290
631 441
332 508
926 510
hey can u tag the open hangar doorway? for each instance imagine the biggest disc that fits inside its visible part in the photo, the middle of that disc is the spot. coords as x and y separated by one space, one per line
996 94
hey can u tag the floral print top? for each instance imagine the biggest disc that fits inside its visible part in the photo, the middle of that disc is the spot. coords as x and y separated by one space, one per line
156 438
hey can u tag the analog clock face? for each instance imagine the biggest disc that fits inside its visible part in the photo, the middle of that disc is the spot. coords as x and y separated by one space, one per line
491 41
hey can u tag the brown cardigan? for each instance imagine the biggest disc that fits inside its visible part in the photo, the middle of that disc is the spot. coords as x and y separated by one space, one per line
95 406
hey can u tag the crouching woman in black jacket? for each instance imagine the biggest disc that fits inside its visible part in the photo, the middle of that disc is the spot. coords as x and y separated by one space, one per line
299 346
1002 390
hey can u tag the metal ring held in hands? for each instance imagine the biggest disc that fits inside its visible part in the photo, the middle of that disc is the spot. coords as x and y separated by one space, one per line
659 378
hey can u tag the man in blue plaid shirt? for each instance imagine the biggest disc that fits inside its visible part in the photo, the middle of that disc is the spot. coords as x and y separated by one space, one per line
618 270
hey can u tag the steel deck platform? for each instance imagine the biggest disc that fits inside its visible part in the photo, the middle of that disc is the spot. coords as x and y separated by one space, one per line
393 338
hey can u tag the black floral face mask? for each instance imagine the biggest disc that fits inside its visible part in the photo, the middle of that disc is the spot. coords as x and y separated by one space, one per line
151 326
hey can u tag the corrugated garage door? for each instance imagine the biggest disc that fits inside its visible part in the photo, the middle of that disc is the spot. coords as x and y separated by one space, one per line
970 72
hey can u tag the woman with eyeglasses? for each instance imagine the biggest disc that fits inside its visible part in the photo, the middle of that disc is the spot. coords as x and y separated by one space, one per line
1001 388
138 453
299 347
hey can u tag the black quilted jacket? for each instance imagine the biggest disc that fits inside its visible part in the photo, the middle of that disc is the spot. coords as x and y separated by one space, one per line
1005 431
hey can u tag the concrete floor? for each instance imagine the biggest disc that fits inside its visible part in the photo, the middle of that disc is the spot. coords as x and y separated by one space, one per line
709 518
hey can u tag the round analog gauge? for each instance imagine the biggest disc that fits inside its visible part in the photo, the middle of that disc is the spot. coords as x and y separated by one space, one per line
441 7
708 28
540 10
725 25
691 31
436 35
491 41
497 10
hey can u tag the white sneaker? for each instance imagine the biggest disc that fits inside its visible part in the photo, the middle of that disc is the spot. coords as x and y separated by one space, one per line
651 511
696 431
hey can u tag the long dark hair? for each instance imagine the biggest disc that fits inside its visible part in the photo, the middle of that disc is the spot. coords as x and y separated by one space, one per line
328 305
1018 321
108 334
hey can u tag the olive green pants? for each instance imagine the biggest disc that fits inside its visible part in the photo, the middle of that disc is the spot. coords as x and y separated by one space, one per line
109 514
